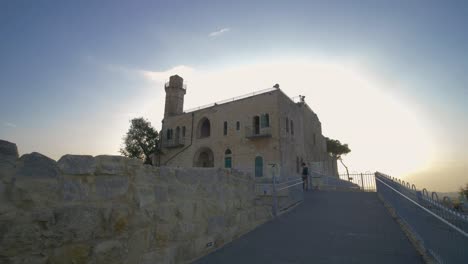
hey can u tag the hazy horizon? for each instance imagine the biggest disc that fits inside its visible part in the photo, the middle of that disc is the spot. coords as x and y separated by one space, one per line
388 78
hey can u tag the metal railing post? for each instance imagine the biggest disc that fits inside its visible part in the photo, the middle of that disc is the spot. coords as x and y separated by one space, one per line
275 198
275 195
362 182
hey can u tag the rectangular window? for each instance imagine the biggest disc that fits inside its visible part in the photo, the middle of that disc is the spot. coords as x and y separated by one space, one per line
169 134
265 120
183 131
238 125
225 128
228 162
287 125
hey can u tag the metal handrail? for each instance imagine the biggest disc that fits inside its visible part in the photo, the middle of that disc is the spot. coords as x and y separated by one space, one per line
231 99
290 186
435 201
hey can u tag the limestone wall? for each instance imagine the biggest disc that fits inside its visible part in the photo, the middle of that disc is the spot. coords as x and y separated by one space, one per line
111 209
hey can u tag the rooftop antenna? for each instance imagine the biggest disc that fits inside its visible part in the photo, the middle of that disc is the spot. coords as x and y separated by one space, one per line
276 86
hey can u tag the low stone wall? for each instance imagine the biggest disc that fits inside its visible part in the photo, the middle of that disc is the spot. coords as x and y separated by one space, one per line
111 209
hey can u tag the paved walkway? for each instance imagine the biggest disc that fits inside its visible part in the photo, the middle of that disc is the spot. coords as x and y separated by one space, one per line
328 227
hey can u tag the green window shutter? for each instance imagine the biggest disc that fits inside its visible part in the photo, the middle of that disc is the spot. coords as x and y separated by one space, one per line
258 166
262 121
228 162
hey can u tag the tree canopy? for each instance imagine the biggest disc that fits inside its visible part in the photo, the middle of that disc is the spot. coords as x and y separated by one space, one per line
336 148
140 141
464 191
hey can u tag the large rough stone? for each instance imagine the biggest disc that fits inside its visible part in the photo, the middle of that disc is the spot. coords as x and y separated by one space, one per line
8 150
111 165
20 239
109 187
78 223
8 158
110 251
37 166
74 253
75 190
77 164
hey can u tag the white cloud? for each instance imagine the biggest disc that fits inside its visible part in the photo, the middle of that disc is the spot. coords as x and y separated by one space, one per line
219 32
8 124
163 76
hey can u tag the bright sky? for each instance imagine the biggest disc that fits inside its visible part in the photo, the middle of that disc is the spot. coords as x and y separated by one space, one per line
387 77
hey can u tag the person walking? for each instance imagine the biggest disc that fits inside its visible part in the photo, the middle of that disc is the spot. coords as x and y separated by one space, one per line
305 174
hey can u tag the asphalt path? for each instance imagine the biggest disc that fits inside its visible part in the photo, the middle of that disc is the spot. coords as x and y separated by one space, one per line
328 227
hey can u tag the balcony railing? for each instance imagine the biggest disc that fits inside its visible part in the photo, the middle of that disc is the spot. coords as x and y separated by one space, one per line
173 142
252 133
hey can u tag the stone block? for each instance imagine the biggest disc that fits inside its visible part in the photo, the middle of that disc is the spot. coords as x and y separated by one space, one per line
37 166
216 224
8 150
77 164
78 223
138 243
187 177
75 190
110 251
36 258
144 196
27 192
74 253
20 239
160 255
111 165
109 187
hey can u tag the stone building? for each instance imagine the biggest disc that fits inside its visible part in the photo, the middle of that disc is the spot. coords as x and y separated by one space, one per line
261 134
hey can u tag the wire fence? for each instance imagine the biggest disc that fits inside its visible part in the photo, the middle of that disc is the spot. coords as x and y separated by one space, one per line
441 231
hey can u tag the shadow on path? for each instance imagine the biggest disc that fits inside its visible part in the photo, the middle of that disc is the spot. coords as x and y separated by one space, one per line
328 227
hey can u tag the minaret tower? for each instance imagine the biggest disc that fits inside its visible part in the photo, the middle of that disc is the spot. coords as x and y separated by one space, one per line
175 92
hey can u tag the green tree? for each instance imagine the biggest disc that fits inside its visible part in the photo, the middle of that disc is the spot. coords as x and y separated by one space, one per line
336 149
464 191
140 141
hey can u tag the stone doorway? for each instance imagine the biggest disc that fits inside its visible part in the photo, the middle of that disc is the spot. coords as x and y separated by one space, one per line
204 158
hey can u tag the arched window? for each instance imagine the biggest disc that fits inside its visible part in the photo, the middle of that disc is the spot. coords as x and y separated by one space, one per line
225 128
177 133
228 159
256 125
265 120
169 134
292 128
204 128
258 166
287 125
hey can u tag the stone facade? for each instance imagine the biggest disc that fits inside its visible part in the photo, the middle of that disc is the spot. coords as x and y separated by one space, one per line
248 134
111 209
